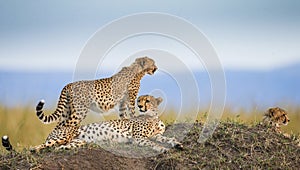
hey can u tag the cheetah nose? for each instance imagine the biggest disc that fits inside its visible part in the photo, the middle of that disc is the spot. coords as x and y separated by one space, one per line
140 106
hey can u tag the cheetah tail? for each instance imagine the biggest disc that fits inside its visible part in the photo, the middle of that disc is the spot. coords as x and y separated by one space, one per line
6 143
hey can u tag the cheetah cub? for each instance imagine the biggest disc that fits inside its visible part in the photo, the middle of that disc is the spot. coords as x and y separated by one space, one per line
276 117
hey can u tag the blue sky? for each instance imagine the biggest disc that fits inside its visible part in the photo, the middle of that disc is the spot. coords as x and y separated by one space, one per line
255 35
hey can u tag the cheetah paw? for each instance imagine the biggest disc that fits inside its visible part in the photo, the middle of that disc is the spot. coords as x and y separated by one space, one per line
179 146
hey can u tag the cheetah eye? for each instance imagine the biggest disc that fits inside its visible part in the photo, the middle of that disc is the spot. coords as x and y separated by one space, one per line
138 100
147 101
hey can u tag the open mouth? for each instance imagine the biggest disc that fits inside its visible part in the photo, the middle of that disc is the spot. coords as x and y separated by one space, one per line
152 71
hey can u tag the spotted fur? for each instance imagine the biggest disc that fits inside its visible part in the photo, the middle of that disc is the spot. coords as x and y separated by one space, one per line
144 130
148 104
276 117
99 95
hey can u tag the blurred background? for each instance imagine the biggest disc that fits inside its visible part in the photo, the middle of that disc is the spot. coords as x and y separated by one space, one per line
257 43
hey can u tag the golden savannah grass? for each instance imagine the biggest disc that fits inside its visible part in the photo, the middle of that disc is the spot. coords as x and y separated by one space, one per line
25 130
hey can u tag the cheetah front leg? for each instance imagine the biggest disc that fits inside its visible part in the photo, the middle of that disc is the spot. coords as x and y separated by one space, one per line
131 104
141 141
171 141
123 110
127 105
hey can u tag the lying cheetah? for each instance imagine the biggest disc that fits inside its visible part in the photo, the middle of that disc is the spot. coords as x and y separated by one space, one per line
103 94
142 130
276 117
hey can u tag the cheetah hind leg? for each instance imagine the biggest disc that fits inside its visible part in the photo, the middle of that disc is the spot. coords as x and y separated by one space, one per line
48 144
75 143
52 141
38 148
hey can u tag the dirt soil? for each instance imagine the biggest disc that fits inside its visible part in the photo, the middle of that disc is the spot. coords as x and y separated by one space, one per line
233 145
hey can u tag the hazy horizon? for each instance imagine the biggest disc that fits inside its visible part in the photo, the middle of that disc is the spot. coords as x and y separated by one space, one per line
42 38
45 36
244 89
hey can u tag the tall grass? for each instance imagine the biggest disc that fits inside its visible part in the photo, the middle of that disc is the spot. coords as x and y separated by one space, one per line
255 115
22 126
25 130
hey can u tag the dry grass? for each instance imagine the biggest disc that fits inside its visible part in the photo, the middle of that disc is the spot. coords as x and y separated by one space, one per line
22 126
25 130
234 145
255 115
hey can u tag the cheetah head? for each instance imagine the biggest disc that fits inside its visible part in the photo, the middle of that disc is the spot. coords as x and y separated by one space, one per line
277 116
148 104
146 64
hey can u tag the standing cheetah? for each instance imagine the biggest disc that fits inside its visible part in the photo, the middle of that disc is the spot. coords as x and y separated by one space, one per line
103 94
100 95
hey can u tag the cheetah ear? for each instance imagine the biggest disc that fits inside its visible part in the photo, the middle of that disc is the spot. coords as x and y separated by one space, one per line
271 110
140 61
159 100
